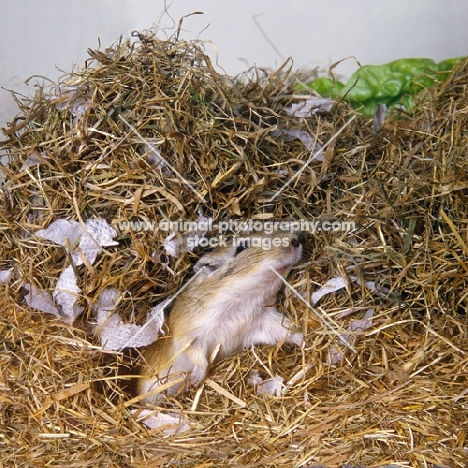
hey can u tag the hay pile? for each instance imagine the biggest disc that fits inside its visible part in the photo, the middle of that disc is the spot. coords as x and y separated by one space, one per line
78 152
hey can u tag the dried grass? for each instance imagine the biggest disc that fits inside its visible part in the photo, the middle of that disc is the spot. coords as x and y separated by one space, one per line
401 399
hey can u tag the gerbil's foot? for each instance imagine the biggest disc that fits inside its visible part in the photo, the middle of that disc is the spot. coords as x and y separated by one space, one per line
198 375
273 327
151 385
296 338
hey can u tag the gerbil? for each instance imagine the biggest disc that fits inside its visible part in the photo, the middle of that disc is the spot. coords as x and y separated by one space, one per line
229 306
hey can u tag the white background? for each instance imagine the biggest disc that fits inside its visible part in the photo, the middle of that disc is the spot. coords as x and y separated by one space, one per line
50 37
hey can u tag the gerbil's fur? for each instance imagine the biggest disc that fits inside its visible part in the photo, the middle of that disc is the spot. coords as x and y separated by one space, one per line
229 306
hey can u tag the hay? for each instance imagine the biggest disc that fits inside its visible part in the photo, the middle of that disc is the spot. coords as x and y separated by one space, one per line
400 399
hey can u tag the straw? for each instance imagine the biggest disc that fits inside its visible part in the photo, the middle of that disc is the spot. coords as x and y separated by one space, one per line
400 399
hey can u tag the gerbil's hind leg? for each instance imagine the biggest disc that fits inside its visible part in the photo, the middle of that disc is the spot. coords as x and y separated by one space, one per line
273 327
196 363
